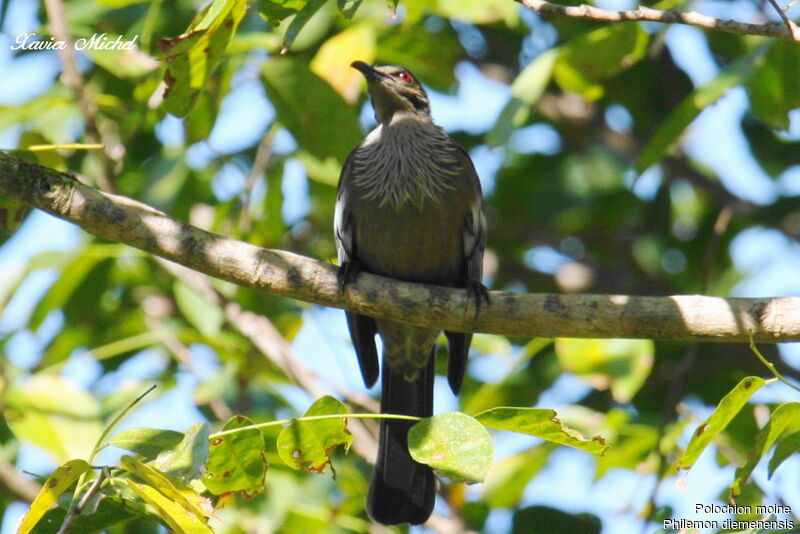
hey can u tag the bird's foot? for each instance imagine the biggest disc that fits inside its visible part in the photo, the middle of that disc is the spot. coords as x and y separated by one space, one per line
477 291
348 274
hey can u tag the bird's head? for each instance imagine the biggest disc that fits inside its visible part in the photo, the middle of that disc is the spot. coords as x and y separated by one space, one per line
393 90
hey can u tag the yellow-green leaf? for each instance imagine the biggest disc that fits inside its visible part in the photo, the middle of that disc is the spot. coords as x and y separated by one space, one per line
169 486
621 365
786 416
56 484
726 410
55 414
454 444
174 515
542 423
332 61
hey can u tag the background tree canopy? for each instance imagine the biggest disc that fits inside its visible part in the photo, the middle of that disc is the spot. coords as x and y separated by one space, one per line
632 158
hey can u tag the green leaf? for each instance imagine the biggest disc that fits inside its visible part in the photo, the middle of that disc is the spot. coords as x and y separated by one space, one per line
586 61
133 63
170 487
619 364
728 407
785 416
187 460
203 314
306 445
348 8
548 520
783 450
773 89
12 214
199 123
668 133
274 11
308 107
454 444
508 478
54 414
542 423
332 60
192 57
174 515
430 55
525 92
477 11
146 442
108 512
237 462
71 277
56 484
300 20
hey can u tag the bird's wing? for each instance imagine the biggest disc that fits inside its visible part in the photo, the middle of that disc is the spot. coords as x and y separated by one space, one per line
473 242
362 328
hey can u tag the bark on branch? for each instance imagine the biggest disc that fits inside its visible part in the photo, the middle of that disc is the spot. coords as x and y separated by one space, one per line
121 219
788 31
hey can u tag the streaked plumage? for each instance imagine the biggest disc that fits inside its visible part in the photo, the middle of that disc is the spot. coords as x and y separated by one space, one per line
410 207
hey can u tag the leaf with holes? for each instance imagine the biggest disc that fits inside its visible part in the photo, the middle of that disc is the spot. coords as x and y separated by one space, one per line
238 461
306 445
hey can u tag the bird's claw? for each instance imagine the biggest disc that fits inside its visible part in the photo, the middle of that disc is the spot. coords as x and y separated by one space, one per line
477 291
348 274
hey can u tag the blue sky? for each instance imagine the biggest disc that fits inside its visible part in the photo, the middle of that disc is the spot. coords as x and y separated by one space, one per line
767 257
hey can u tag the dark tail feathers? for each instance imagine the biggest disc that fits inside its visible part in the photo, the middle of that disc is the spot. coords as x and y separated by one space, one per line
402 490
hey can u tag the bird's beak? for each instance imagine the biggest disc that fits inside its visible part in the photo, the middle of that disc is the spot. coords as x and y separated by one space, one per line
366 69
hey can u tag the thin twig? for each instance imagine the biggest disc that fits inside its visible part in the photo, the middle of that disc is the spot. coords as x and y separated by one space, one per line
793 29
75 511
104 434
12 483
307 418
643 13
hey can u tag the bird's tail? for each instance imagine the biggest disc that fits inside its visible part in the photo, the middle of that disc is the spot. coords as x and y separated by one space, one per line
402 490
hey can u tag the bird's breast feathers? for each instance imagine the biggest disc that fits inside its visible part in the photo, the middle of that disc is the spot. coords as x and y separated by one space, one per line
407 161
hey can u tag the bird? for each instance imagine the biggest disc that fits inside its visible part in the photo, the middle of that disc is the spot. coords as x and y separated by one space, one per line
409 206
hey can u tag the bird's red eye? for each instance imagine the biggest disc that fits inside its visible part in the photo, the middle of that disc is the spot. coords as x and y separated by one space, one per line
404 76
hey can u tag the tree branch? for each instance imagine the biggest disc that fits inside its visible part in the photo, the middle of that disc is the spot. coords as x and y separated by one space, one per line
790 31
120 219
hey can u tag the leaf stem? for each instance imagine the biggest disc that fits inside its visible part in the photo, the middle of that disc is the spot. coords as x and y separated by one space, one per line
314 418
103 435
76 509
769 365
